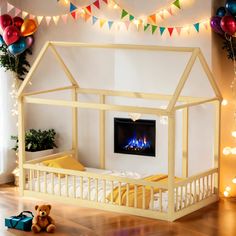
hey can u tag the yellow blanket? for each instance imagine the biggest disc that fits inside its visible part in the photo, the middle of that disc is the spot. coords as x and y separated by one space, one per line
152 178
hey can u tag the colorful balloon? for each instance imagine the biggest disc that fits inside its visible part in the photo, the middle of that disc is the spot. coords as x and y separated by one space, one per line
28 27
228 24
18 21
18 47
221 11
29 41
215 24
231 6
1 41
11 34
5 20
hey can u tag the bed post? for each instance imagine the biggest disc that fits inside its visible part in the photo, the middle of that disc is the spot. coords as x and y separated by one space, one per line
185 142
102 133
217 145
21 151
75 124
171 164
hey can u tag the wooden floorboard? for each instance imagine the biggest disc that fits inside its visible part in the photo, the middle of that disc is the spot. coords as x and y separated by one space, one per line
218 219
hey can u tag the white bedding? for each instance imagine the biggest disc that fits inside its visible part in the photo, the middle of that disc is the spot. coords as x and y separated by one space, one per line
127 174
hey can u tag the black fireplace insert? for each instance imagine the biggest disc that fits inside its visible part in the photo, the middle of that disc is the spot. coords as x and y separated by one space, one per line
135 137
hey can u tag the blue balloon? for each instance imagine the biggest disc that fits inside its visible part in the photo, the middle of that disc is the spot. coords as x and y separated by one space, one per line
221 11
18 47
231 7
1 41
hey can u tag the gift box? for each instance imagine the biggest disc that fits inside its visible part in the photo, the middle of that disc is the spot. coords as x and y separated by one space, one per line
21 222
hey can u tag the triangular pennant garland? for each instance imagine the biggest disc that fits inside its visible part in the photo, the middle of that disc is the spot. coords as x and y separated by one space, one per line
72 7
86 16
39 19
97 4
154 28
102 22
73 14
88 9
94 19
162 30
161 14
197 27
170 11
178 29
106 1
146 27
131 17
24 14
9 7
170 29
110 23
177 4
127 24
64 18
48 19
31 16
153 19
124 13
55 19
206 24
17 11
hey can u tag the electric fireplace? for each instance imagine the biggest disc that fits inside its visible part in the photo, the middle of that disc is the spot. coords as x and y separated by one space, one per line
135 137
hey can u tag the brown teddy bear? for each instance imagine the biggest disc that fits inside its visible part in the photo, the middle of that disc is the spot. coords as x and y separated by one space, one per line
42 220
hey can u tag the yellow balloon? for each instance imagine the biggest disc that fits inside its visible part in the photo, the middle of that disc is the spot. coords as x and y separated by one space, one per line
28 27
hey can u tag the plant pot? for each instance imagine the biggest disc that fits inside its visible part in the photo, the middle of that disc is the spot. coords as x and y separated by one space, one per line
34 155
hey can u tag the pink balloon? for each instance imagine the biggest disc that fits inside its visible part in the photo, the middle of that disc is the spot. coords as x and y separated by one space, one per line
11 34
228 24
18 21
5 20
29 41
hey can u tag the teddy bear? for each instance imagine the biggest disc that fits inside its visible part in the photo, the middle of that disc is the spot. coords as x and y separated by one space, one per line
42 221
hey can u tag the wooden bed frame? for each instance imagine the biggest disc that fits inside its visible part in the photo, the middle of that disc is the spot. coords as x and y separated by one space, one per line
208 181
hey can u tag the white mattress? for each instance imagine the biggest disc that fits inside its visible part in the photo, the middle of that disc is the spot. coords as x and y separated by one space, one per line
127 174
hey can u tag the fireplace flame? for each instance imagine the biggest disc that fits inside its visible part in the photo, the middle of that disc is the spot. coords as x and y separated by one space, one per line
138 144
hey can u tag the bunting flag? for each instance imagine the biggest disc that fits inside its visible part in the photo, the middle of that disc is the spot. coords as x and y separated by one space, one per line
177 4
153 19
97 4
39 19
94 20
56 19
9 7
24 14
48 19
86 16
72 7
17 11
88 9
131 17
146 27
31 16
197 26
154 28
64 18
74 14
124 14
106 1
102 22
161 14
178 29
170 11
110 23
162 30
170 29
127 24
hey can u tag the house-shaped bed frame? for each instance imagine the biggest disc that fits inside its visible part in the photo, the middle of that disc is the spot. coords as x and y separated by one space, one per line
184 197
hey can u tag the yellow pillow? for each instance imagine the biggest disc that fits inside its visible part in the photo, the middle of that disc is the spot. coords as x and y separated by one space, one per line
65 162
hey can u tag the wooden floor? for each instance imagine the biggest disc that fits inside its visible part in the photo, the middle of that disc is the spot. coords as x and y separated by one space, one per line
215 220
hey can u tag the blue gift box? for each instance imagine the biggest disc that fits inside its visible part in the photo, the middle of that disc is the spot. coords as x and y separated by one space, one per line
21 222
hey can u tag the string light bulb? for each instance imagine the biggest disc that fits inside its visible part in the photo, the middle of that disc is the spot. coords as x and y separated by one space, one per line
228 188
226 193
227 151
234 180
224 102
234 134
115 6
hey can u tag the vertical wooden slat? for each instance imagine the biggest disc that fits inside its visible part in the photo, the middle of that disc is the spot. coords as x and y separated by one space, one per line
181 197
59 183
74 186
104 191
191 201
102 133
160 203
176 198
127 194
195 191
112 195
119 189
31 180
21 136
45 181
185 142
135 196
67 185
212 186
38 180
81 187
186 196
203 187
152 198
143 197
96 184
89 188
75 124
207 187
53 184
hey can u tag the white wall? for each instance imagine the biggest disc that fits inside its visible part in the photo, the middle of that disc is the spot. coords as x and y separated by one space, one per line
145 72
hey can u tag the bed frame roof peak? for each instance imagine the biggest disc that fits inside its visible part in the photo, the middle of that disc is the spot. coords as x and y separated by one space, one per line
195 53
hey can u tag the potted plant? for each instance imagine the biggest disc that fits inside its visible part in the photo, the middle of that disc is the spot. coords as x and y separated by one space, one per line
38 143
